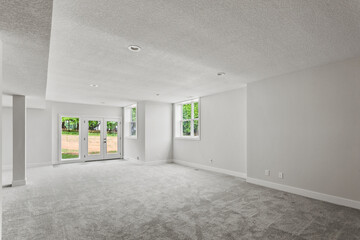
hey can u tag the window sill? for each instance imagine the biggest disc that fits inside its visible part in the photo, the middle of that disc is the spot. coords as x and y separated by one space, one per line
188 138
131 137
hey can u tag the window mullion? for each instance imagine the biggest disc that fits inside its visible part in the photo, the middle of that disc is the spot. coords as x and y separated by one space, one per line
181 122
181 128
192 120
182 112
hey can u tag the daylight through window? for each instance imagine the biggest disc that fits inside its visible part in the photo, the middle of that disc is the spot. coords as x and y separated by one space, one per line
187 119
131 121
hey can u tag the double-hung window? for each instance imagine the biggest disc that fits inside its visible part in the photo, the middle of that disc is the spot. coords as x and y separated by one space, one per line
187 119
131 121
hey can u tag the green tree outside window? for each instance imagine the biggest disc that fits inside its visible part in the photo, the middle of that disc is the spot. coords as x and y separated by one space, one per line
190 119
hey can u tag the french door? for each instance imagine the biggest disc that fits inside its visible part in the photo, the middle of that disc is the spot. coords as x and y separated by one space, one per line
101 138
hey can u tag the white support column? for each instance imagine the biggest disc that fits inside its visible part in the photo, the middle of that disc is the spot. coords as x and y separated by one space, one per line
19 132
1 79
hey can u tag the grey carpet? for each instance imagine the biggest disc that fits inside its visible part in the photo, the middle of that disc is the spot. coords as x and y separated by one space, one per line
122 200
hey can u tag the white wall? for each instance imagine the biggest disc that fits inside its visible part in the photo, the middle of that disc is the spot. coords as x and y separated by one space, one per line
1 132
73 109
7 138
154 133
158 128
307 125
38 137
223 133
19 140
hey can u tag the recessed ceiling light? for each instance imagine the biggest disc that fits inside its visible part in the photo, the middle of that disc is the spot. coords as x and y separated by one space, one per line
221 74
134 48
94 85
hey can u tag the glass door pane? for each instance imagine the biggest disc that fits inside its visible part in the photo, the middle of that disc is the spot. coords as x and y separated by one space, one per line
69 138
112 137
94 137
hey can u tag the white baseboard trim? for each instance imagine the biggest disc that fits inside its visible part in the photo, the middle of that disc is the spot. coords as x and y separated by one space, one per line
17 183
28 165
158 162
306 193
136 161
32 165
212 169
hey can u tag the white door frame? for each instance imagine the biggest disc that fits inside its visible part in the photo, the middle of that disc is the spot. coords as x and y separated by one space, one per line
83 137
119 138
79 159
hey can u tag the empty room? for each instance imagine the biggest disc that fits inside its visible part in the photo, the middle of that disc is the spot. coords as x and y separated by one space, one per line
165 119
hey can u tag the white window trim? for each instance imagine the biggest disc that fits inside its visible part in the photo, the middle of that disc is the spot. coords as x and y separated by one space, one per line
191 137
129 121
60 159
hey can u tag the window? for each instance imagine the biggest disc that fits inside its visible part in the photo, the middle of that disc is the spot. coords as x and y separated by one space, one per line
70 140
131 121
187 123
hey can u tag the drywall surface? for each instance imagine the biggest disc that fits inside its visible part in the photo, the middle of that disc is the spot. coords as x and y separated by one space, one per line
223 133
19 140
135 148
1 133
158 128
80 110
38 137
7 138
154 133
307 125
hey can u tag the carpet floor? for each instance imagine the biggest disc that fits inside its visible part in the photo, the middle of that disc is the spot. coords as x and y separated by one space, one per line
123 200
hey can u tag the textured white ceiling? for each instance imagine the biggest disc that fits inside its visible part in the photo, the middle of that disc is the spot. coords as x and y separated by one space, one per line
25 31
185 43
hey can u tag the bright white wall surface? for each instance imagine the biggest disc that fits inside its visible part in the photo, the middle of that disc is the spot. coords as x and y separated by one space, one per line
38 137
158 128
73 109
1 132
19 140
7 138
307 125
154 133
223 133
134 148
